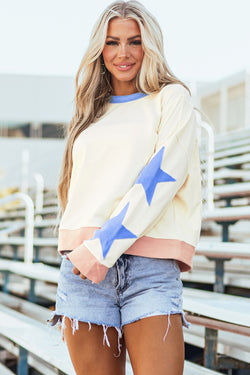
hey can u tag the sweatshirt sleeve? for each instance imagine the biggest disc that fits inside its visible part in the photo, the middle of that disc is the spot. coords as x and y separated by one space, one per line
154 188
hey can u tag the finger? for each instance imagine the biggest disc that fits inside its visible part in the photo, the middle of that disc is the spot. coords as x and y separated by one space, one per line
82 276
76 271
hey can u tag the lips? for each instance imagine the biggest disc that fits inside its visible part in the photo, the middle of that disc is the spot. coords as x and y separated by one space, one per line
124 67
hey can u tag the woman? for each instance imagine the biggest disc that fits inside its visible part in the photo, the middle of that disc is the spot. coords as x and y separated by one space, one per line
130 196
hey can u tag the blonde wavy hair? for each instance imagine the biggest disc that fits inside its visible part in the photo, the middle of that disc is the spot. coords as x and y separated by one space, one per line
94 89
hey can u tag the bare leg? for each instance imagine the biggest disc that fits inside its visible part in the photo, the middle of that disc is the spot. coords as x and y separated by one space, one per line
149 353
88 354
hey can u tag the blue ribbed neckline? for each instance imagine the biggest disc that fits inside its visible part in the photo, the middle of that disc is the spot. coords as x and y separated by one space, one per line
126 98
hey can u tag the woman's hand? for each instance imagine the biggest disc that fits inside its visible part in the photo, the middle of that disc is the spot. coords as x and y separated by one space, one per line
77 272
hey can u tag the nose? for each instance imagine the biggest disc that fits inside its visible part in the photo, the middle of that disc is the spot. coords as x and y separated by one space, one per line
123 50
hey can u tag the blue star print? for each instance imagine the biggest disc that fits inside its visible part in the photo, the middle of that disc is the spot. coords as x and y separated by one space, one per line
152 174
113 230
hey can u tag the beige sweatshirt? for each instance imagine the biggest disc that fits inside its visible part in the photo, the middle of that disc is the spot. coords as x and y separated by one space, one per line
135 186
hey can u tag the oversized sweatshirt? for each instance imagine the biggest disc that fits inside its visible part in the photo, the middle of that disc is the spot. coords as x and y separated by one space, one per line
135 186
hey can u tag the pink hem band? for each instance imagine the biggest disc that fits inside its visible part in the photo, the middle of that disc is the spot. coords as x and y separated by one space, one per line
164 248
144 246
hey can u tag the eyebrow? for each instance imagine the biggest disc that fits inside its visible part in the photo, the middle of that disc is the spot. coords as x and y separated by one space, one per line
132 37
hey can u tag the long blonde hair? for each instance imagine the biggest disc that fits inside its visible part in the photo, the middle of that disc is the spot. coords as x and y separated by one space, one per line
94 89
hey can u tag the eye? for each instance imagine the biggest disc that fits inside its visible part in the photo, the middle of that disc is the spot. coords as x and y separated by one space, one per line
111 43
136 42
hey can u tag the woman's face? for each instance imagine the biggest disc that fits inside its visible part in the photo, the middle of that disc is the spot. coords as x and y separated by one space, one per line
123 54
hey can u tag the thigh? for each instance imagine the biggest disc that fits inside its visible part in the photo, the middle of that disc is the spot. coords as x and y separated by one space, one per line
153 352
88 353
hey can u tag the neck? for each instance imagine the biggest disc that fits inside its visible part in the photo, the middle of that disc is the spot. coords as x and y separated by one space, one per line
123 88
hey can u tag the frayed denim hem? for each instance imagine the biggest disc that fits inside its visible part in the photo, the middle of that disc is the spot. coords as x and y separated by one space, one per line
157 313
56 319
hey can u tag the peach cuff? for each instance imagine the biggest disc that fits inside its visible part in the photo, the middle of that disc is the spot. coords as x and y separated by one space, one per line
87 264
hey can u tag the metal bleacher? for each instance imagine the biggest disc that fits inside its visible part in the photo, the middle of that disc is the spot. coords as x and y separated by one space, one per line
216 291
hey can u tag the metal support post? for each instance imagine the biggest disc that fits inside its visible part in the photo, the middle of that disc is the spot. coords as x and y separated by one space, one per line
225 228
210 351
32 295
219 286
36 250
15 252
5 282
22 368
219 276
225 232
40 232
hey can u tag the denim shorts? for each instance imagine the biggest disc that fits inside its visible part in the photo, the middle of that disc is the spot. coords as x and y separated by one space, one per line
134 288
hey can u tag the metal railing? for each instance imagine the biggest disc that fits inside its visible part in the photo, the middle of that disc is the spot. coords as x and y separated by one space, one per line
39 191
29 222
25 172
210 166
207 163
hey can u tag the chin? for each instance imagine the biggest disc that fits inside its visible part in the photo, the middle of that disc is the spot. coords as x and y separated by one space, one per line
124 78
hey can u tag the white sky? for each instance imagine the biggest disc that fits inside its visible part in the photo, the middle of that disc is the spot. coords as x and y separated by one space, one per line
205 40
